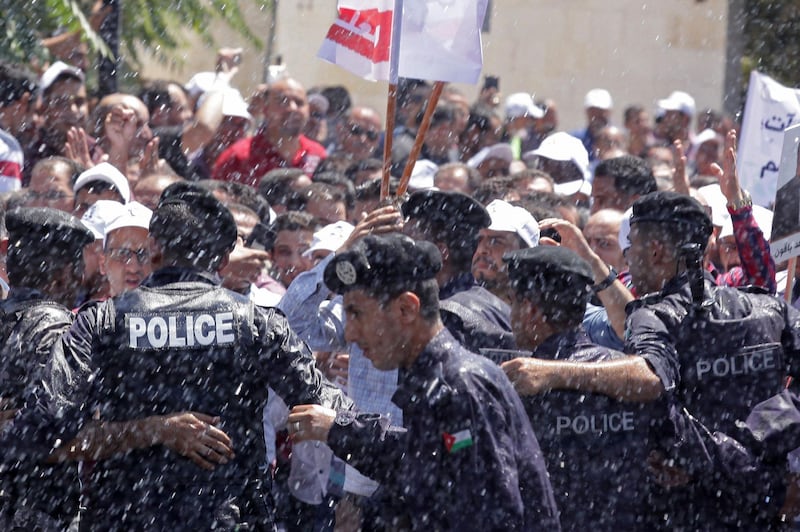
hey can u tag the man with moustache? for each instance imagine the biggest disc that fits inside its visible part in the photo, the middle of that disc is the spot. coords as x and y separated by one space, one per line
278 143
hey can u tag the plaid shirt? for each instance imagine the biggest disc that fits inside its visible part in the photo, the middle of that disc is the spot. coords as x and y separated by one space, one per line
758 266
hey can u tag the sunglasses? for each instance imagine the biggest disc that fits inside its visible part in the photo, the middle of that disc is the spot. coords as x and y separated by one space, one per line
358 131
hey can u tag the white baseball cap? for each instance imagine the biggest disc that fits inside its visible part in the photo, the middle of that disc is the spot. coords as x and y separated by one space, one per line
564 147
599 98
233 104
107 173
99 215
133 214
330 237
55 70
507 217
422 174
501 150
521 104
678 101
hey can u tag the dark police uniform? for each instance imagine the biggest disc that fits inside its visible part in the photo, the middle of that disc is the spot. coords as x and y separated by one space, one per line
596 446
35 495
476 317
466 458
181 342
718 354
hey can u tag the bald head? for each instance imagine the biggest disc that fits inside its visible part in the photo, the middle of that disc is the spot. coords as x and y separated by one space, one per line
359 133
285 109
602 233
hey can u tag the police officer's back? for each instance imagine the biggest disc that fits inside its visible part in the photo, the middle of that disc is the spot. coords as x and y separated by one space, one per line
182 342
596 446
45 265
718 351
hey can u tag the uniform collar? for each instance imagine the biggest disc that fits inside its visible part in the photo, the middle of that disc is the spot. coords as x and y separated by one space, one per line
174 274
423 382
457 284
559 345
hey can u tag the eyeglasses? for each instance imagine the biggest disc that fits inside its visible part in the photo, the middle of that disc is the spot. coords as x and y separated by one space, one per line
358 131
126 255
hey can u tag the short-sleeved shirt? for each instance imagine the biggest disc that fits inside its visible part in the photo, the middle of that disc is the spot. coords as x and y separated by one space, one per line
249 159
11 162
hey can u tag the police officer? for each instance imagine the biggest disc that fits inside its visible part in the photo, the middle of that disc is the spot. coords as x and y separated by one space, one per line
467 458
451 220
182 342
596 446
717 351
45 267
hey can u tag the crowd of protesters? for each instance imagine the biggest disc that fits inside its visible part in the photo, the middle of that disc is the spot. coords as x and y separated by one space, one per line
299 169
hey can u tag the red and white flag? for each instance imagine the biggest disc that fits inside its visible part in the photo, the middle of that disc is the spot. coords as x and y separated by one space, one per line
437 40
360 38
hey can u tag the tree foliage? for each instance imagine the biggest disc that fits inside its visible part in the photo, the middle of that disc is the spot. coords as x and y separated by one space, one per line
772 39
153 25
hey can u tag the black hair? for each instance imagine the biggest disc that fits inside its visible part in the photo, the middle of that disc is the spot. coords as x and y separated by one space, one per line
75 168
365 165
371 190
427 290
241 194
562 301
290 221
338 181
632 111
338 98
15 81
632 175
193 228
276 187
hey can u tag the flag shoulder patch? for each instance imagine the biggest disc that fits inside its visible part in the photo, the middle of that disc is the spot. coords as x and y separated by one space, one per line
457 440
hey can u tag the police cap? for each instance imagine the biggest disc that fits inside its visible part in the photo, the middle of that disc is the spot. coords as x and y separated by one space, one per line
460 212
553 268
44 227
384 264
212 224
680 211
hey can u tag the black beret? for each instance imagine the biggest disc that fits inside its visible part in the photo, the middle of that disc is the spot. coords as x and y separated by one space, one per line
678 210
217 225
458 211
548 267
383 265
43 227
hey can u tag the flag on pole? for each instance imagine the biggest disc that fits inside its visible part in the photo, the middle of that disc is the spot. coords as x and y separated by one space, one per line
769 110
436 40
360 38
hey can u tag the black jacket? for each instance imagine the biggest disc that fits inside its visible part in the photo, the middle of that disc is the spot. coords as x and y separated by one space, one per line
467 458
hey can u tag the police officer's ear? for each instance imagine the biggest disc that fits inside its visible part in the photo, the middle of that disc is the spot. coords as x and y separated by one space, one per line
156 253
407 306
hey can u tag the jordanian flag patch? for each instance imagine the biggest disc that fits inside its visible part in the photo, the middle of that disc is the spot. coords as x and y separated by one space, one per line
455 442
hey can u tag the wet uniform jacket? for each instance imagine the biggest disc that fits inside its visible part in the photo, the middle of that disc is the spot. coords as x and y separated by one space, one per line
467 459
181 342
717 364
595 446
474 316
29 326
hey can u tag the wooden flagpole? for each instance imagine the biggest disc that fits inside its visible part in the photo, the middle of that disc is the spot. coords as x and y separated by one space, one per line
787 294
391 107
423 129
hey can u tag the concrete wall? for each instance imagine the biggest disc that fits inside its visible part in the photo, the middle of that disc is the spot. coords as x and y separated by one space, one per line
637 49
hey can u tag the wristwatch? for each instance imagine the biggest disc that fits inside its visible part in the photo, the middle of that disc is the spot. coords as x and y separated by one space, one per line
746 201
608 281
